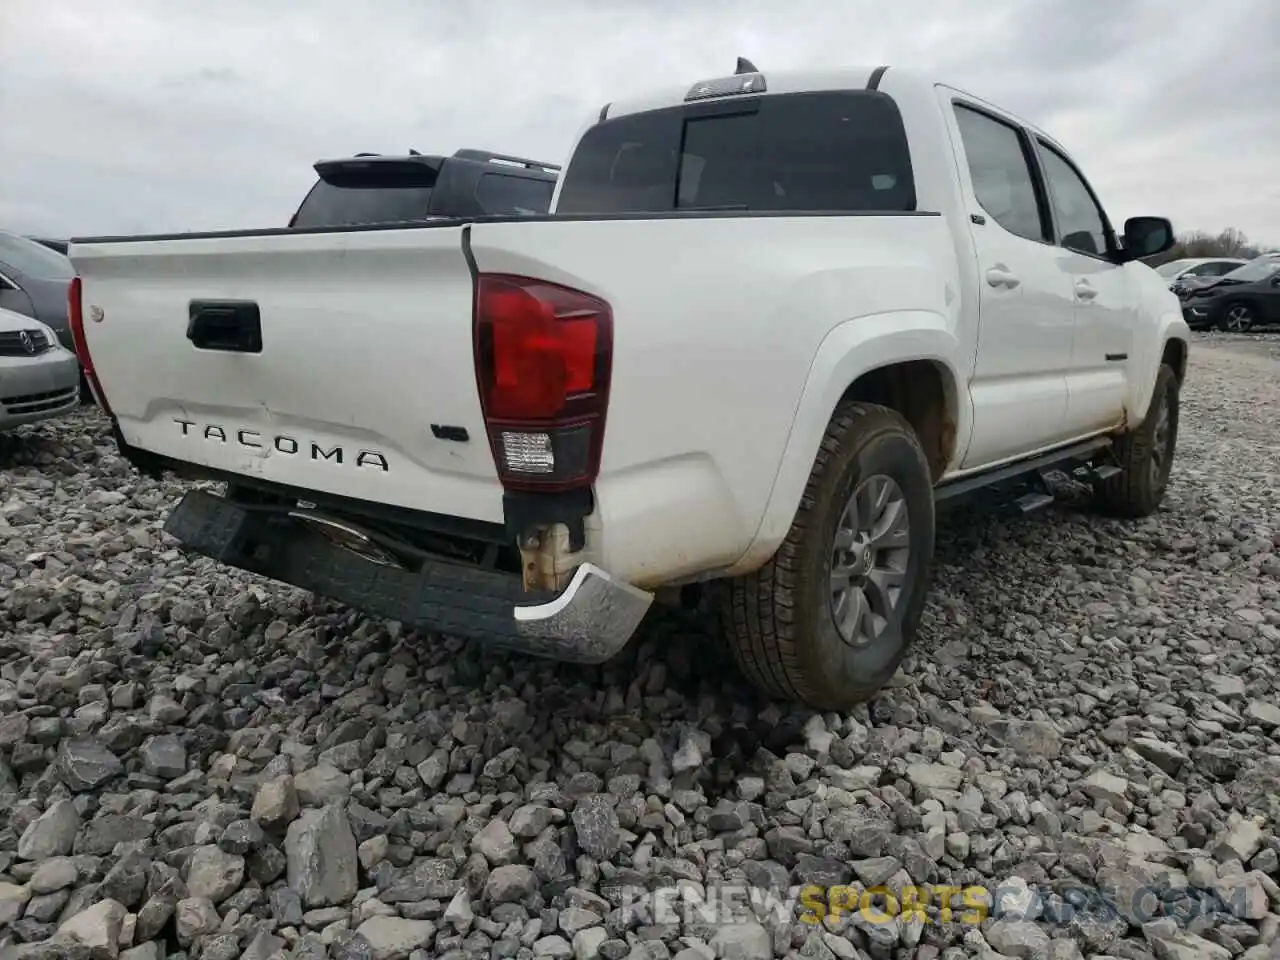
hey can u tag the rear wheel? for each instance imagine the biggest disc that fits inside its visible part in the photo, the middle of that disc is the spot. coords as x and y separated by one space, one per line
829 618
1238 318
1145 455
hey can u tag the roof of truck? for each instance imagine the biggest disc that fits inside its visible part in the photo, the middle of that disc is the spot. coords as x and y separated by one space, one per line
859 77
779 81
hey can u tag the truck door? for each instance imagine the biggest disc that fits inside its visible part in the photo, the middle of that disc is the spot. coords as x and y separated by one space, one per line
1026 306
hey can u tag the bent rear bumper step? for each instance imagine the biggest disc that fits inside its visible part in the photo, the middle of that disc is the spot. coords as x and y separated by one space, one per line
590 621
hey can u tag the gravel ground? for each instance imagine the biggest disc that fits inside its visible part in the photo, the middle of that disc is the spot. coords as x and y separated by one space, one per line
196 763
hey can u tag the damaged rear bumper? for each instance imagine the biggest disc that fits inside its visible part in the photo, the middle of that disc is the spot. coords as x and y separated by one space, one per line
590 621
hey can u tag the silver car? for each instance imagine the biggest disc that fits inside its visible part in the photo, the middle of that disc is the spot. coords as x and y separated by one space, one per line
39 378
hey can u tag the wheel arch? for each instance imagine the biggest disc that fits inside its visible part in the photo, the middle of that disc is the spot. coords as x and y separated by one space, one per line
925 393
1168 340
903 360
1175 356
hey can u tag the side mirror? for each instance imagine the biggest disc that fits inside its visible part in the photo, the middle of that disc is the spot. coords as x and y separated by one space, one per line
1146 236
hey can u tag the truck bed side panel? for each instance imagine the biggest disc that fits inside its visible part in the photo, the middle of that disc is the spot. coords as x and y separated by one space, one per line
717 324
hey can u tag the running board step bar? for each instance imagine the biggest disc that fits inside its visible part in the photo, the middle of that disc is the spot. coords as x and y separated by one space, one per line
1055 459
1035 500
1091 473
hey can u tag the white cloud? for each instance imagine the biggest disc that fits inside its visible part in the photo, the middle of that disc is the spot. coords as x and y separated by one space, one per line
148 115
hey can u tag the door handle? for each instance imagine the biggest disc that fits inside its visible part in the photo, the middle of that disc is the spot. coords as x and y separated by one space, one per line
1001 277
1084 291
229 326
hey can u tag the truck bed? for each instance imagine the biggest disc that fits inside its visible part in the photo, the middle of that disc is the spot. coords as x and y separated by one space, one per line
365 384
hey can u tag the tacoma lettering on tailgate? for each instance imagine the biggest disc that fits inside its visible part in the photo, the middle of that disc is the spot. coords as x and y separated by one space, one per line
281 444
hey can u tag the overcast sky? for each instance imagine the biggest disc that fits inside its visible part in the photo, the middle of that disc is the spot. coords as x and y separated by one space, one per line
122 116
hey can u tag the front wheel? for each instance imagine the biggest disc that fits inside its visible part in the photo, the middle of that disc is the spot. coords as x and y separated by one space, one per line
830 617
1145 455
1238 318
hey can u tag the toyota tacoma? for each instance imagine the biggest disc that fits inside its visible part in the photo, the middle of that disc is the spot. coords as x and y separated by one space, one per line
770 322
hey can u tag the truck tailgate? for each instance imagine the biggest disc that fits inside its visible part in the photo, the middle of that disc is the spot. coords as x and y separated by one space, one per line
363 383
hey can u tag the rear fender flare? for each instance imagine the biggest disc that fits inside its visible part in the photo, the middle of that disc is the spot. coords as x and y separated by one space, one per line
850 350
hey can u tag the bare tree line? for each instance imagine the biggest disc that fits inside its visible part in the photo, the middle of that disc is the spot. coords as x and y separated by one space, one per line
1229 243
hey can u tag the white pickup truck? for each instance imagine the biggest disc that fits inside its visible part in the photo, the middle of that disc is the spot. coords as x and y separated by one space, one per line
770 321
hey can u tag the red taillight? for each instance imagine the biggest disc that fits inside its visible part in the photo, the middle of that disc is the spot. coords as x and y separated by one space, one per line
543 358
75 318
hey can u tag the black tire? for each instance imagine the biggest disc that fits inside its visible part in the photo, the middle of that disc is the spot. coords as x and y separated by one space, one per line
779 621
1246 315
1139 487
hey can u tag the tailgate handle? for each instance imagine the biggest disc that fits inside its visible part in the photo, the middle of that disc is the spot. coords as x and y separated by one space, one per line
232 326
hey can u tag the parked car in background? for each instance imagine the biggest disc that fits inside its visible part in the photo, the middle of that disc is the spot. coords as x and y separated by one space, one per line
372 188
39 378
1175 270
1190 272
1245 297
1184 285
34 280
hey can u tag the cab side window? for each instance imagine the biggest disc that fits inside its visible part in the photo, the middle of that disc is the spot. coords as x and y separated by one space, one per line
1000 168
1214 268
1080 220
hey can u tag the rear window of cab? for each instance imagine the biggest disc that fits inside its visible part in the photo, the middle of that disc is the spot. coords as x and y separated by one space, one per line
839 152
